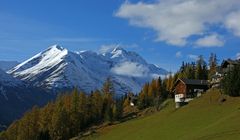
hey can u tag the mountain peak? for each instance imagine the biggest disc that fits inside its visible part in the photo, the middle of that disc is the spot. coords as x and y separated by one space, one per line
51 56
118 52
118 48
54 51
111 49
56 47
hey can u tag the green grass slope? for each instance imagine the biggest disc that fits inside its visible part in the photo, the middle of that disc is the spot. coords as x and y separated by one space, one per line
203 118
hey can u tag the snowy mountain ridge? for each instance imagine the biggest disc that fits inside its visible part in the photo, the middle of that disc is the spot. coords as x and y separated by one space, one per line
57 68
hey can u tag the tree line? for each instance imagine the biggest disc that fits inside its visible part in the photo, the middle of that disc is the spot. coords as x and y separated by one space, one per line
70 114
199 69
74 112
153 93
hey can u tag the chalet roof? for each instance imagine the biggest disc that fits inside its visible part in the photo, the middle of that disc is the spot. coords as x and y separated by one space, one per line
229 61
193 81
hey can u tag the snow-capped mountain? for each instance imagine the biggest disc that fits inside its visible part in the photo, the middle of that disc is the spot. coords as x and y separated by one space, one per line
7 65
57 68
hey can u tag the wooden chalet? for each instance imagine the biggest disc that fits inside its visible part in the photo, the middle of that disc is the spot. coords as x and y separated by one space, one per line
226 66
187 89
229 64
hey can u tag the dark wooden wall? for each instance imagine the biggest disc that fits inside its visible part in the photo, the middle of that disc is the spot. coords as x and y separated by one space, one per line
181 88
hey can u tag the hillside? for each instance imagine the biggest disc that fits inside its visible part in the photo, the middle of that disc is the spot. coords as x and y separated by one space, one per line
203 118
16 98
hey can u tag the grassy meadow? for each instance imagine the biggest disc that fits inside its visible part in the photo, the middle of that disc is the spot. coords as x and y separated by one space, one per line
204 118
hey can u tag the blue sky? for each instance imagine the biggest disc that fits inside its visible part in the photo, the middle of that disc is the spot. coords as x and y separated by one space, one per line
164 32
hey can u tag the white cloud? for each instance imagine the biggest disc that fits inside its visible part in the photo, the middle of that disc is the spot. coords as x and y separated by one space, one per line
192 56
238 55
177 20
130 69
233 22
178 54
213 40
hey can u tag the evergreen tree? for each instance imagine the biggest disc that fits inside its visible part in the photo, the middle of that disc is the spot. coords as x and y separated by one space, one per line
159 92
166 92
143 97
82 109
28 126
212 65
231 82
75 121
159 87
43 135
205 71
118 109
141 100
45 119
34 122
98 106
60 130
170 83
150 95
12 132
201 69
126 102
108 102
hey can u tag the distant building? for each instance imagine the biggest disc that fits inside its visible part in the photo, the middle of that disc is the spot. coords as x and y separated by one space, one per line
131 104
186 89
132 98
228 65
215 80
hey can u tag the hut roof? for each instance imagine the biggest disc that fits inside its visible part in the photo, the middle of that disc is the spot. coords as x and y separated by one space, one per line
192 81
